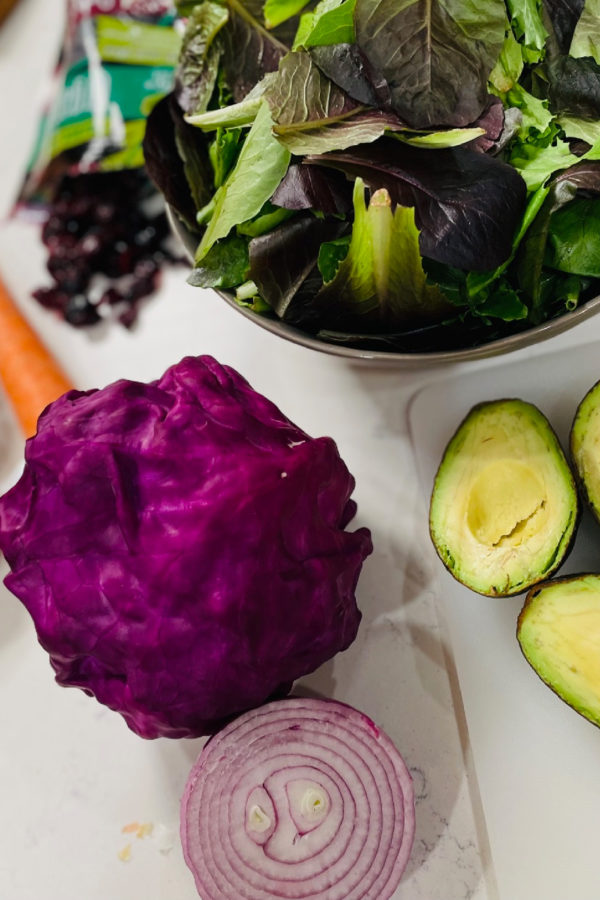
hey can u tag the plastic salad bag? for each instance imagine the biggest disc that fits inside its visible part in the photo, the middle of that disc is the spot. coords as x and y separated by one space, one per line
105 226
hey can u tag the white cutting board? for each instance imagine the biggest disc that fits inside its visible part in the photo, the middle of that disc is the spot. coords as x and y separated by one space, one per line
537 762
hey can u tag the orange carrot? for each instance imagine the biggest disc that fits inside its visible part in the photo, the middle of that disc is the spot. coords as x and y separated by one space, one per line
30 375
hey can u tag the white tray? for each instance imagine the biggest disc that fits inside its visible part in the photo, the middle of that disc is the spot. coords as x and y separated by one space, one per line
537 762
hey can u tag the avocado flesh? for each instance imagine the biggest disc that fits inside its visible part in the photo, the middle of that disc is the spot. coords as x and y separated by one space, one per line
585 447
559 633
504 504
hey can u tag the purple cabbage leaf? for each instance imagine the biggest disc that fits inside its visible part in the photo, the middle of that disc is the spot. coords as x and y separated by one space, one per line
181 547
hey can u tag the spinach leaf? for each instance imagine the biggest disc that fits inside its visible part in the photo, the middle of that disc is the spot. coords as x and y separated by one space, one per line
198 66
467 204
261 165
574 238
435 55
313 115
225 265
583 176
331 254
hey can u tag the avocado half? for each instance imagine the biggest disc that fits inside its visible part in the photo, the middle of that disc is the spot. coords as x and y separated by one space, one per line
504 508
585 448
559 633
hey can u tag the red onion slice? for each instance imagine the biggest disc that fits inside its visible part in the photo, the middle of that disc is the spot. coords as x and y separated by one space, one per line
300 799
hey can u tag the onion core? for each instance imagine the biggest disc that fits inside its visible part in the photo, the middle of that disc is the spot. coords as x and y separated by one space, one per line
301 799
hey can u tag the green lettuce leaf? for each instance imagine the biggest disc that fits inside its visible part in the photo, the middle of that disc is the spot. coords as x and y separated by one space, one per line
452 137
198 66
582 129
261 165
435 55
527 25
331 22
507 71
277 11
586 37
381 279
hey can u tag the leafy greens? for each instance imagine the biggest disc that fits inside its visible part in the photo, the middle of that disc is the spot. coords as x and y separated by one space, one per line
469 125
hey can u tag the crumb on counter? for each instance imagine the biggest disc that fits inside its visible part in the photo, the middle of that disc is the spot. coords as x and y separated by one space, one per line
125 854
141 831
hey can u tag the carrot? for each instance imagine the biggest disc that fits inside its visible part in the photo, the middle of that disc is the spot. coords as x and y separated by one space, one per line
30 375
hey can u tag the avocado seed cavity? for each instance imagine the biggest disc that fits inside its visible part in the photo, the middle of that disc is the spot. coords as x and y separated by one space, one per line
506 503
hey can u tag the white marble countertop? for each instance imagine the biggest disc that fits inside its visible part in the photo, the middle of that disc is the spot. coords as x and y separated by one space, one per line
71 774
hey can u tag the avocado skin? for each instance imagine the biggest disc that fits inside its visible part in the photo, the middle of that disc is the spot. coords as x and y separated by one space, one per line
561 554
592 716
585 491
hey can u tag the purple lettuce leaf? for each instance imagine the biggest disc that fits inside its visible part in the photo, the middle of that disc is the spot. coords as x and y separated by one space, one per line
467 204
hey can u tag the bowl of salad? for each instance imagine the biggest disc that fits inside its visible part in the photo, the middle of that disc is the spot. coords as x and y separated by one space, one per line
395 182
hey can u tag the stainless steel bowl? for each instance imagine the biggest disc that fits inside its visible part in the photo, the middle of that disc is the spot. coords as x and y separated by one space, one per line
391 358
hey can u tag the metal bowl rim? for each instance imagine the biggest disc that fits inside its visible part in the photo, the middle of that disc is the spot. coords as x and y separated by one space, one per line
508 344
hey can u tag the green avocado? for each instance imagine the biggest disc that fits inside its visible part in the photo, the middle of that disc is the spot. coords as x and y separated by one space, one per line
504 507
585 447
559 634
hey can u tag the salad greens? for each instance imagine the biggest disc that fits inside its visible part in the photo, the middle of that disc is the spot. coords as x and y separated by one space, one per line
416 175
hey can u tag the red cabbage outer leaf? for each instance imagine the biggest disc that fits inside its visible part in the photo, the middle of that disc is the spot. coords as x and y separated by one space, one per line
180 547
303 798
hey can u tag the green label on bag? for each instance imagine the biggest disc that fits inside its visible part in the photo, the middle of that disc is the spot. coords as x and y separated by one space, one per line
136 43
112 93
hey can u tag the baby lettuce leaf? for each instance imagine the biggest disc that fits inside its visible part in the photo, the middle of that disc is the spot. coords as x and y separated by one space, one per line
313 115
261 165
586 37
313 187
563 16
467 204
507 71
451 137
345 65
583 176
527 25
436 55
176 159
381 282
282 263
573 84
249 50
331 22
224 266
233 115
574 238
198 66
277 11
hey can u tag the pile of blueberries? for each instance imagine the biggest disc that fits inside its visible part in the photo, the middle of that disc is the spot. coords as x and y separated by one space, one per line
107 237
